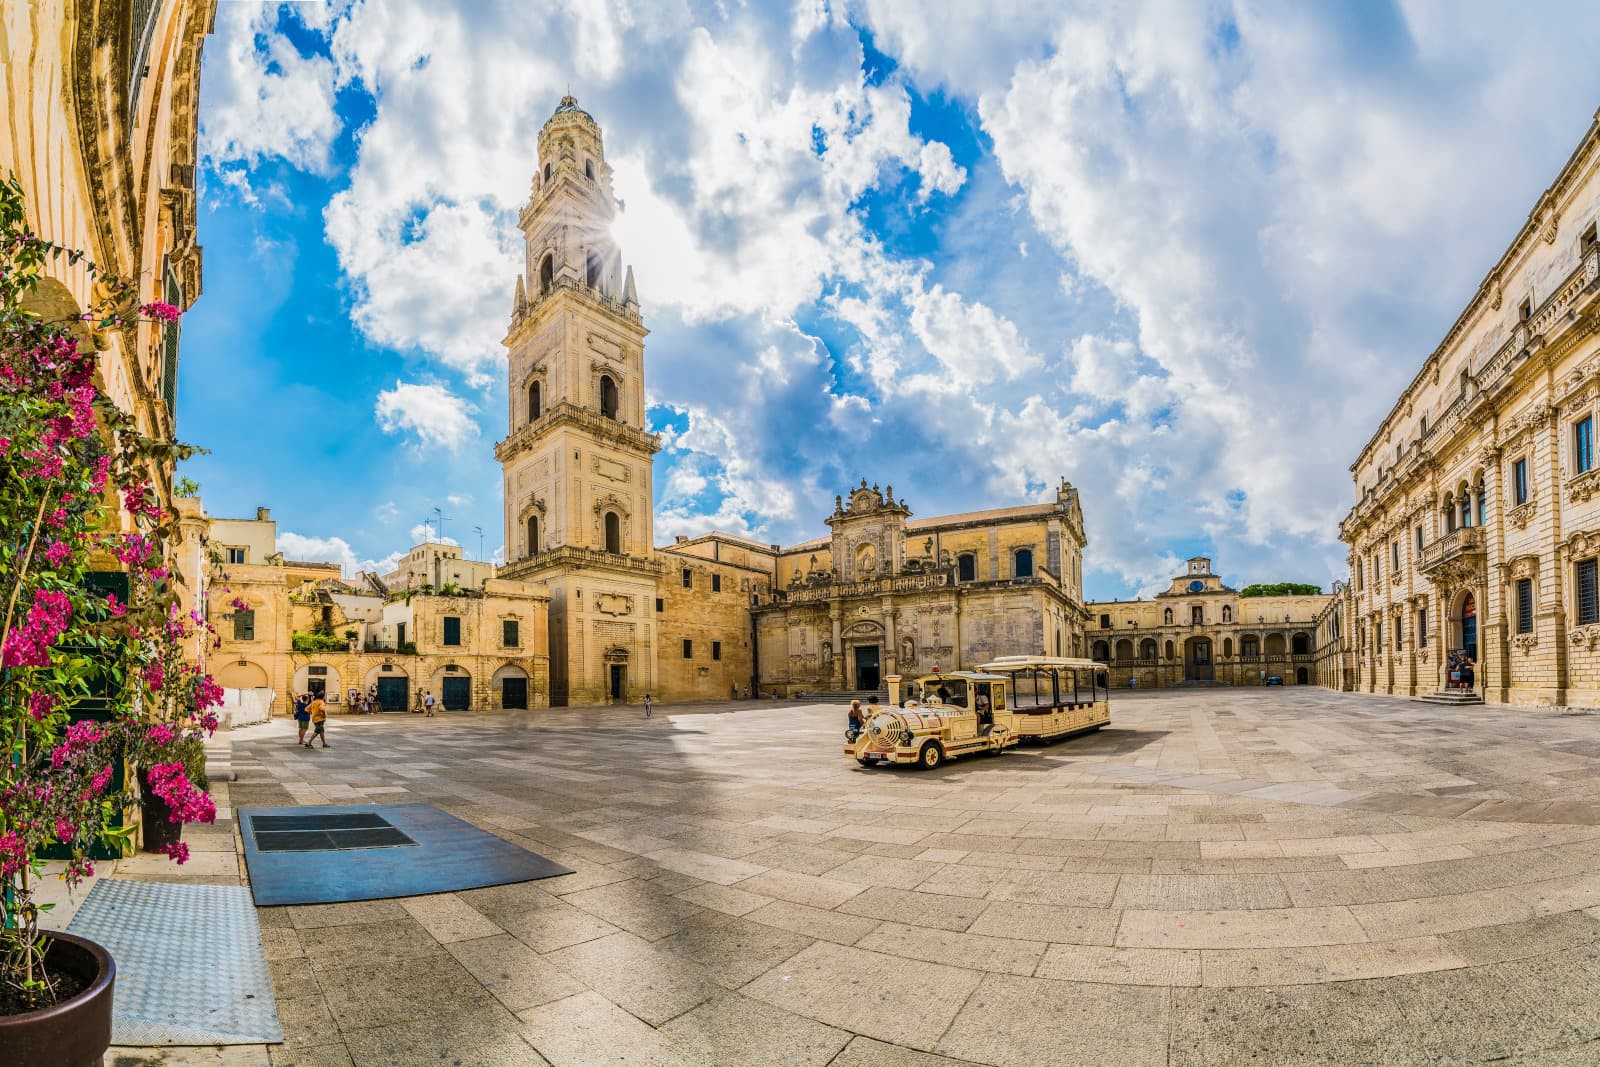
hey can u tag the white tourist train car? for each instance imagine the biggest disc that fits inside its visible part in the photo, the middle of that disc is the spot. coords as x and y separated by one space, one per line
1052 697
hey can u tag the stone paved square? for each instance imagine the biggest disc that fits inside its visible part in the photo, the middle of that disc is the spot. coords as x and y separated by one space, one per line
1197 884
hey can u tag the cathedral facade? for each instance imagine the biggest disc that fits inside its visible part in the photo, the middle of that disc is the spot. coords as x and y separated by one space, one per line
719 615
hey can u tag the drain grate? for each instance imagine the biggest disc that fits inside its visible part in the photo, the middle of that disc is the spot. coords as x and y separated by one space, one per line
325 833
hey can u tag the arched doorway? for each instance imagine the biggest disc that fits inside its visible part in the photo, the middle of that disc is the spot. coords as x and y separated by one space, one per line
1197 660
1468 621
511 683
393 686
318 678
1301 676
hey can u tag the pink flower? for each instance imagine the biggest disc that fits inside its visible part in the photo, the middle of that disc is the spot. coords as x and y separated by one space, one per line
209 720
13 853
65 831
118 608
160 311
208 694
40 705
178 851
189 804
83 732
155 676
28 645
57 553
161 734
239 603
101 778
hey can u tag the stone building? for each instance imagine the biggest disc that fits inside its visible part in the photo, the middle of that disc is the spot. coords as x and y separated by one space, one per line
99 124
1476 524
437 565
706 617
887 594
1199 630
289 626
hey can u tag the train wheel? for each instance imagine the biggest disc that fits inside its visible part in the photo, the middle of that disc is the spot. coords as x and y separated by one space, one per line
930 756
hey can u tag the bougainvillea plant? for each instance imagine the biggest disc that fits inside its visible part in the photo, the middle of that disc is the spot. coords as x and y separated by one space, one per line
77 497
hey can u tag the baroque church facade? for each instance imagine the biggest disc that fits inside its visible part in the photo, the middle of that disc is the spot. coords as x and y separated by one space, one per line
718 615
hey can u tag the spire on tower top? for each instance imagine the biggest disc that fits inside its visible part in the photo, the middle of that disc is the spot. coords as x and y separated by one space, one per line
630 295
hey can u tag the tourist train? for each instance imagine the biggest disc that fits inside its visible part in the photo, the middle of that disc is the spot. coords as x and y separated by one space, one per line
948 714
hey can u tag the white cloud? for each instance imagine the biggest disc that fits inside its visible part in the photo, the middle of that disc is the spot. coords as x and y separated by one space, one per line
430 412
332 550
263 98
939 170
423 532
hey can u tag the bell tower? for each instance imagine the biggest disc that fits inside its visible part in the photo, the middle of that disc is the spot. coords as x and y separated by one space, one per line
577 459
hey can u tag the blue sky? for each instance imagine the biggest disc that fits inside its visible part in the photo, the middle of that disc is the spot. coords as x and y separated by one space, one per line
1183 255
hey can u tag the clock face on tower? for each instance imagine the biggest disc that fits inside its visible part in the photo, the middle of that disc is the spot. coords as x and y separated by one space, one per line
1196 586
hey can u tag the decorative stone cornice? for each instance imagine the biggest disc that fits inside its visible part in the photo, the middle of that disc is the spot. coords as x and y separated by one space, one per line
610 431
1583 486
1586 637
1520 515
1525 643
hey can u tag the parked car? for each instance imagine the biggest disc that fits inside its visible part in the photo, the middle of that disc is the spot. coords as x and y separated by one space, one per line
1274 679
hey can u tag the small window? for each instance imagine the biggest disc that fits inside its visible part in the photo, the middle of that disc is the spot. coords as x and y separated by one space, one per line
1524 605
1377 567
1422 626
716 583
1377 637
716 650
688 648
1399 635
452 630
1395 553
533 535
1105 622
1525 309
1588 591
547 172
966 567
535 401
1590 238
1419 539
1022 563
608 397
688 578
233 555
509 636
1583 444
1361 582
1519 482
591 272
661 605
244 626
588 169
547 273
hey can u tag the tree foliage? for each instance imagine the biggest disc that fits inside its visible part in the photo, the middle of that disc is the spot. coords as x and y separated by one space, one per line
1281 589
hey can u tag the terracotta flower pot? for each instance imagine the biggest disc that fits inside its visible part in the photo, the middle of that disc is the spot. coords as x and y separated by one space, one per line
156 818
76 1032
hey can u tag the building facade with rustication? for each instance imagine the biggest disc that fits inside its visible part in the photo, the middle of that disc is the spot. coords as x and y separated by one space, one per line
718 615
1199 630
1476 525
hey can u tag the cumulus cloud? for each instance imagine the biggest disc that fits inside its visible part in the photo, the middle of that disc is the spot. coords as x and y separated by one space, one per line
264 99
1201 249
429 412
332 550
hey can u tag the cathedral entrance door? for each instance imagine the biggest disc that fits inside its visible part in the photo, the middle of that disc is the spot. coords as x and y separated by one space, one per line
1197 660
618 673
867 672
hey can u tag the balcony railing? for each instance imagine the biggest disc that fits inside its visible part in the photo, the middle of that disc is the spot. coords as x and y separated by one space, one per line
1468 542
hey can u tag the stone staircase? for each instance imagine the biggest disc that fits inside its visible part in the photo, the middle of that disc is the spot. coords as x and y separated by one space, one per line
1452 697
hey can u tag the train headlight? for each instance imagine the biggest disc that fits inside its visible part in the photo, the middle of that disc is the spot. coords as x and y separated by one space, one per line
905 737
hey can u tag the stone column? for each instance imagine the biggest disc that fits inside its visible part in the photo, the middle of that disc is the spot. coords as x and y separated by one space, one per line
835 609
1557 556
890 659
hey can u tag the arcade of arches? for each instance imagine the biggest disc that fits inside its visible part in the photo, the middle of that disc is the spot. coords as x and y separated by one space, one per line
1200 631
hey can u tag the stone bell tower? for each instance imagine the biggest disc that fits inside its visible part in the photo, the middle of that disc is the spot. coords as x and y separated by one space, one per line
577 458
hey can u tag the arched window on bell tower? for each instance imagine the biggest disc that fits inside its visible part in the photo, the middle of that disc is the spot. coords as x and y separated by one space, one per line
591 271
533 535
613 533
535 407
547 273
608 397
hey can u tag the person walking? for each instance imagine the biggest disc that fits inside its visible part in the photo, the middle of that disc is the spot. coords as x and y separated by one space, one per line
647 705
318 712
302 715
427 703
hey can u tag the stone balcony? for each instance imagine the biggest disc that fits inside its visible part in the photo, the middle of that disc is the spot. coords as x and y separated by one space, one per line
1465 545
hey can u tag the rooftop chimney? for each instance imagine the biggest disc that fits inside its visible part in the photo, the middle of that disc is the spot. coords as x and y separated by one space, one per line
263 514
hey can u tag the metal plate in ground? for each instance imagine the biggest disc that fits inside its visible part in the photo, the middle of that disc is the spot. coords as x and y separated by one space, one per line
323 833
447 854
190 966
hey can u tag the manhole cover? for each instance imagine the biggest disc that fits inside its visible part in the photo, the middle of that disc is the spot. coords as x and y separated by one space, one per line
323 833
